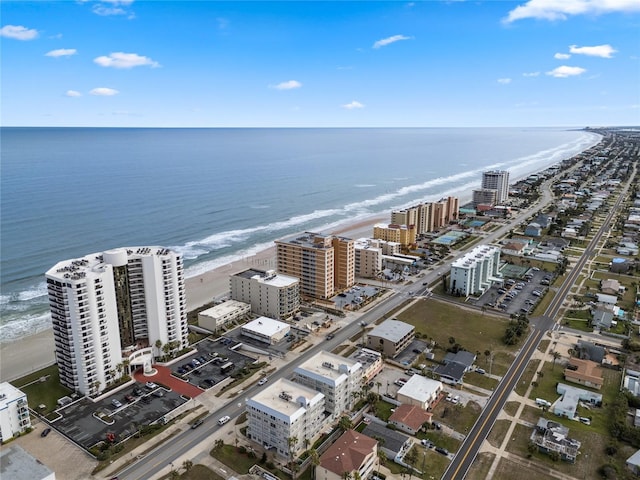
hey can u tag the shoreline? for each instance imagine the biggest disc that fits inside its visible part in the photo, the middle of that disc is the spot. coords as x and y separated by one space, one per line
36 351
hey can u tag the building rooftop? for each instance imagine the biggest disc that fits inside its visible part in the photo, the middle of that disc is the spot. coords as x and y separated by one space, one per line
420 388
285 399
223 309
17 464
348 452
9 393
268 277
266 326
328 367
410 415
392 330
471 257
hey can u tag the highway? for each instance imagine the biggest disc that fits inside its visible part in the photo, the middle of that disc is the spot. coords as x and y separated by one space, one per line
465 456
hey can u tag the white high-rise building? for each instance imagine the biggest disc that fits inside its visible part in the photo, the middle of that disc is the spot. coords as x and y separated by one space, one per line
285 410
497 180
475 271
14 412
114 306
335 377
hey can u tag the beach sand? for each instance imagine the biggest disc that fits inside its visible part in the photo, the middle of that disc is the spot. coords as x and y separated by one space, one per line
34 352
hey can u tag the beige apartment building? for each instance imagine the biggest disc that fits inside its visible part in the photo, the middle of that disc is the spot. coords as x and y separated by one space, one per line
323 263
428 217
270 294
391 337
402 234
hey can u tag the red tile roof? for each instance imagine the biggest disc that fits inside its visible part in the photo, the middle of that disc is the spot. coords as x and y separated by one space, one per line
410 415
348 452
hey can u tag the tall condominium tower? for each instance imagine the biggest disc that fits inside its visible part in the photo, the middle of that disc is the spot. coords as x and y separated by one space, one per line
323 263
497 180
110 309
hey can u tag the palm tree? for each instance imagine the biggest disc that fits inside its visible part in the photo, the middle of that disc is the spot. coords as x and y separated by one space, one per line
158 345
187 465
556 356
315 461
345 423
292 442
378 385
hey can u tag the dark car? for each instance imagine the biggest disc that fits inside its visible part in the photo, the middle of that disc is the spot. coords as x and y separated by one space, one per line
197 423
146 399
45 432
443 451
417 350
129 398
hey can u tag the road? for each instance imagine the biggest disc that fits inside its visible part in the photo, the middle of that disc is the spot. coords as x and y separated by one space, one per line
465 456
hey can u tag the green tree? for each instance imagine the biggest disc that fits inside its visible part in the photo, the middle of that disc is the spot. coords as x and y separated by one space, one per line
345 423
315 461
292 442
556 356
187 465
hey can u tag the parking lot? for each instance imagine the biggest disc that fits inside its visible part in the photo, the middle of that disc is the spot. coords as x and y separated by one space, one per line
353 297
206 368
87 423
520 294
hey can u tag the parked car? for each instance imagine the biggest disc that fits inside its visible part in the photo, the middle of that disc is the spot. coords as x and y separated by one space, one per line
45 432
116 403
443 451
416 350
426 443
150 385
129 398
158 393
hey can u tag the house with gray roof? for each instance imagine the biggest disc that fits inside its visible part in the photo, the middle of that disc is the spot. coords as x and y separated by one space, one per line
602 319
567 405
590 351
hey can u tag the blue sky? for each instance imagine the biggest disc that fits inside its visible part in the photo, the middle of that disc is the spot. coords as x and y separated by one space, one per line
325 64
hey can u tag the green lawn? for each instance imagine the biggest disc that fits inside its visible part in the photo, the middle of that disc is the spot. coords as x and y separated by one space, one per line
43 393
498 431
233 459
473 330
460 418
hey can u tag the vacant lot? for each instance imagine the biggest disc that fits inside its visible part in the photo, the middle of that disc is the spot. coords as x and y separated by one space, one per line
472 330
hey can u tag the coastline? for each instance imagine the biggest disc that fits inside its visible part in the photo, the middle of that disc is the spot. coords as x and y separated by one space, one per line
34 352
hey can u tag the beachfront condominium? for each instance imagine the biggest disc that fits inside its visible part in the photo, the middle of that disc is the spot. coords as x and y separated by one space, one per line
405 235
324 264
270 294
484 198
115 310
14 412
285 416
497 180
368 259
338 378
475 271
428 217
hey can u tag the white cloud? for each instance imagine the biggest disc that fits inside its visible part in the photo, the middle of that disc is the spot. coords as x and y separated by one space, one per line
125 60
604 51
504 81
18 32
389 40
354 104
531 74
562 9
107 8
104 92
61 52
561 56
73 93
288 85
565 71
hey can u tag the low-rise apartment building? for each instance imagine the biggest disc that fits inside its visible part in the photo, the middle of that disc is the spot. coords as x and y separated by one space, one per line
14 412
391 337
282 411
336 377
269 293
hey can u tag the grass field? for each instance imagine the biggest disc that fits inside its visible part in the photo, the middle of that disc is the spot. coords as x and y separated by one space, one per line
45 392
472 330
499 430
480 467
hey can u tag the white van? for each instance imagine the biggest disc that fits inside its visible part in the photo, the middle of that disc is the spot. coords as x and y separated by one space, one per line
224 420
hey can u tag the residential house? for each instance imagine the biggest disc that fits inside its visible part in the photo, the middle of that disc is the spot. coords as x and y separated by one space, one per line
567 405
550 436
455 366
393 443
409 418
533 230
584 372
590 351
611 287
633 463
419 391
353 453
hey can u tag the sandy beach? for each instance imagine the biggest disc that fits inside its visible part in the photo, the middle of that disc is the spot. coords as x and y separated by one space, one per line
34 352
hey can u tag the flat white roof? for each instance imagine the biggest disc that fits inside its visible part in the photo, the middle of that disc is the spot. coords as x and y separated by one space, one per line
280 399
420 388
9 393
17 464
470 258
328 367
266 326
392 330
225 308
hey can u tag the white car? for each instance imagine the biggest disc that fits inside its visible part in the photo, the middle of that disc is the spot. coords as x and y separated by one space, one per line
151 385
224 420
262 381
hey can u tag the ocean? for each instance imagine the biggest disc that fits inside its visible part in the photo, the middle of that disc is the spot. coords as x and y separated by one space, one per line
216 195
